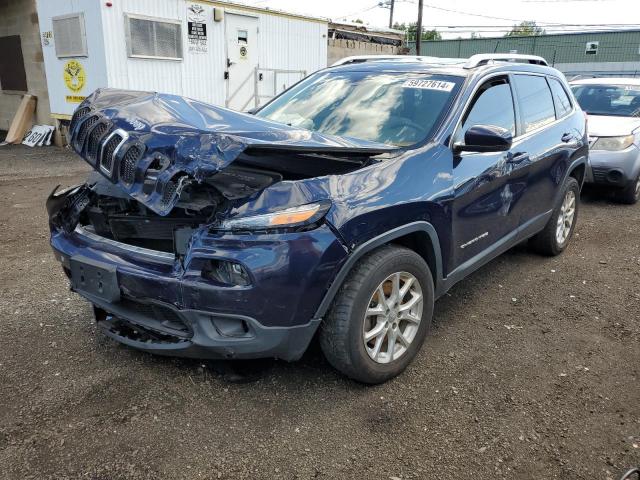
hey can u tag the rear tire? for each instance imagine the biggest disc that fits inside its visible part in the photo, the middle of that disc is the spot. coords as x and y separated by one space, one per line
380 316
558 232
631 194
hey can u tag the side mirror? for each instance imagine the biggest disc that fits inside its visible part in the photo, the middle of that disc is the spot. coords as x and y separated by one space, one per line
485 138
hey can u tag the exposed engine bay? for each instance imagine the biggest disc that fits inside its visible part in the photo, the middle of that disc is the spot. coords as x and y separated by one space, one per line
111 213
166 165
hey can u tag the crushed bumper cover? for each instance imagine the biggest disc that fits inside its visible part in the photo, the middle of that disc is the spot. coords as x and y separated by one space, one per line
198 334
152 301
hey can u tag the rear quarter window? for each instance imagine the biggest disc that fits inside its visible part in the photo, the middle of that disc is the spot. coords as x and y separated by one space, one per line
536 104
560 98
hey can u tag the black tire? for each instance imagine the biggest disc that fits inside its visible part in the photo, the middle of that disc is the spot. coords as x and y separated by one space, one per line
631 194
545 242
341 333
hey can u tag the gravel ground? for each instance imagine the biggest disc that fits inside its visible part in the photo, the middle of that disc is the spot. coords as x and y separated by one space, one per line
531 371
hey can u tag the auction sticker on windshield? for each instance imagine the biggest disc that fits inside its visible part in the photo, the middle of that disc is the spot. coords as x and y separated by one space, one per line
429 85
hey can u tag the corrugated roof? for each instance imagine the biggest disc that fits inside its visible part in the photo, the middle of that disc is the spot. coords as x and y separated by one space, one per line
365 28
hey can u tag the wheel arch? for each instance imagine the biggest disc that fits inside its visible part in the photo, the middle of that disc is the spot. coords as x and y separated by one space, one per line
420 237
576 168
578 171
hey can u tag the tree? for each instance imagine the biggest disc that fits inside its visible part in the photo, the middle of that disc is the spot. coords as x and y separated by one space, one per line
357 20
525 29
412 28
431 35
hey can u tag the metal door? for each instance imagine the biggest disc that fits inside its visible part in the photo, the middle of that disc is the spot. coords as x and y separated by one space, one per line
488 186
242 60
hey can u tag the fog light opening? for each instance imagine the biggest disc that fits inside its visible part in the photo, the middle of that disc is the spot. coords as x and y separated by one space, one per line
226 273
615 176
230 327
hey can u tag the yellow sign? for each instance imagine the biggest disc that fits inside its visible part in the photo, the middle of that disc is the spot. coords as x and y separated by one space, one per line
75 98
74 75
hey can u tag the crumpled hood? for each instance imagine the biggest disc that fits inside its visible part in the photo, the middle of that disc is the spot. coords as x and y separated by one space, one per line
610 126
167 141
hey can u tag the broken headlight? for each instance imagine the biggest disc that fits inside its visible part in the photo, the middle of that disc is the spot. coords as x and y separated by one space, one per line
288 218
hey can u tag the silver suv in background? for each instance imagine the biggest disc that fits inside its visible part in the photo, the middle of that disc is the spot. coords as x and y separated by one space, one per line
613 108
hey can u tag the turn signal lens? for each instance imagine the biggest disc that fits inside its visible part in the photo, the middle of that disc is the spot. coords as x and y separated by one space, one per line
291 217
298 215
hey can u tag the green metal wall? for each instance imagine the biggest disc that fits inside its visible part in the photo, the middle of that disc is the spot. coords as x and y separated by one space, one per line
567 48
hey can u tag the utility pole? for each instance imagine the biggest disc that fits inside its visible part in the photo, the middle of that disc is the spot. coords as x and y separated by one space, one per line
391 13
419 28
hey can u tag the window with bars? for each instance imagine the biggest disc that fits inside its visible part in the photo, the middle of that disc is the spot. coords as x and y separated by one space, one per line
154 38
69 35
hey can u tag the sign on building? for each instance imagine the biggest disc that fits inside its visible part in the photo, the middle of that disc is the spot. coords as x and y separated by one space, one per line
197 29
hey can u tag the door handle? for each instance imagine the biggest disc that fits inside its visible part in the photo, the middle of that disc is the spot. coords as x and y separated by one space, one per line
517 158
567 137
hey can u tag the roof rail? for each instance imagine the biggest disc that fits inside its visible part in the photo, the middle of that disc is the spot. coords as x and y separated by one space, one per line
401 58
485 58
368 58
359 59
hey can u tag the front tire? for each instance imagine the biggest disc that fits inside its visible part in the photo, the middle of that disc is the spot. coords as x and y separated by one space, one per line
380 316
631 194
558 232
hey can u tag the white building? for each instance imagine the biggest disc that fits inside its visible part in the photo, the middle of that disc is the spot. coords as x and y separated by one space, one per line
219 52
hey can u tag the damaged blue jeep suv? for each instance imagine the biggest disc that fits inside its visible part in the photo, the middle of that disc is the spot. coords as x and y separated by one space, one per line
343 208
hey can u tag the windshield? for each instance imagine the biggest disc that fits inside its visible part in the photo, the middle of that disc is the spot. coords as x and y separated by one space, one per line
399 109
618 100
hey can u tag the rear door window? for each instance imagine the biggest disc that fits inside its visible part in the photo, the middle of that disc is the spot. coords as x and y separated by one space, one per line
560 98
492 105
536 104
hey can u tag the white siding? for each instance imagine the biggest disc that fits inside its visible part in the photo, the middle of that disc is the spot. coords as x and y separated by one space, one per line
290 44
94 63
284 42
140 73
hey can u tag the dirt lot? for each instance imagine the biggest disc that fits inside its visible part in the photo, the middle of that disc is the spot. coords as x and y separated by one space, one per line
531 371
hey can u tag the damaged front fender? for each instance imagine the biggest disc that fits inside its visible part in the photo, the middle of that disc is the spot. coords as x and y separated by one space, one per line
65 206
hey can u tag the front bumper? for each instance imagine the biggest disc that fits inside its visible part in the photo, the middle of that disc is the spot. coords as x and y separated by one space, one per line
164 305
612 168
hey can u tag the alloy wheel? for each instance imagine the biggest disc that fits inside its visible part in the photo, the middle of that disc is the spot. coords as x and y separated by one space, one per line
393 317
566 216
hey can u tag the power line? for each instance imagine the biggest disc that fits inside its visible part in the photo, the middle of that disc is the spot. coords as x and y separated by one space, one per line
559 24
510 29
565 1
358 12
491 17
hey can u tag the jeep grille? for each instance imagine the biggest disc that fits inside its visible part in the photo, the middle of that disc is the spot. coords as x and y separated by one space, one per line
95 137
108 151
128 165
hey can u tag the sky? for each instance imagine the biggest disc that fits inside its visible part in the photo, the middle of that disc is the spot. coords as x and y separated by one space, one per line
486 18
